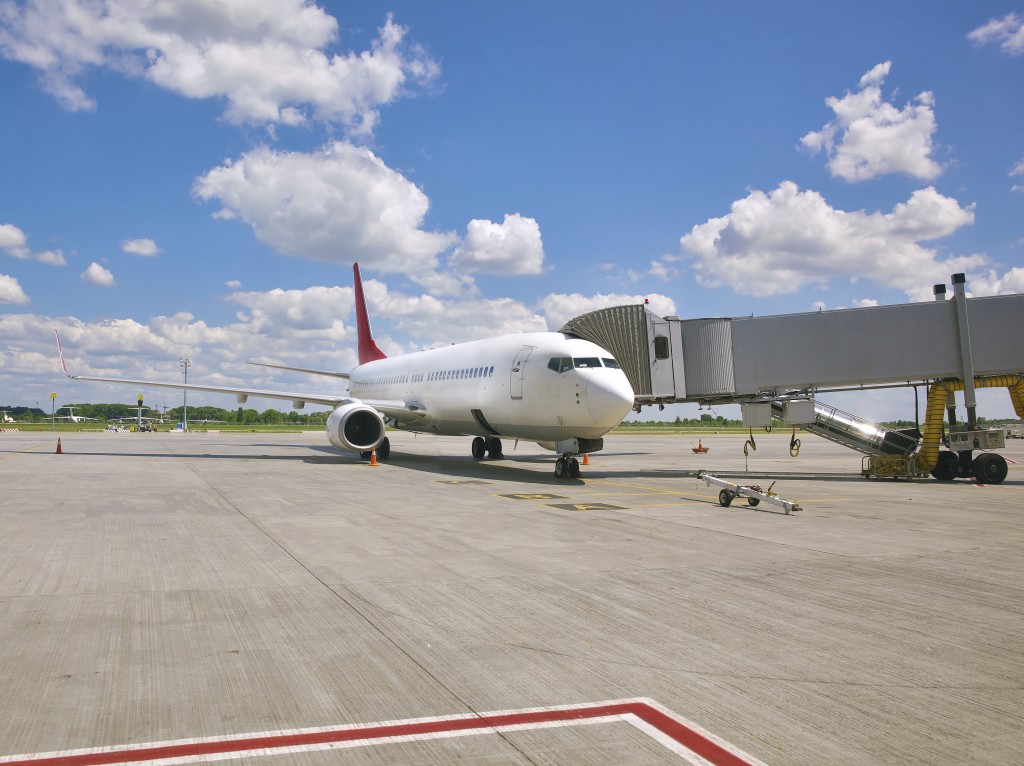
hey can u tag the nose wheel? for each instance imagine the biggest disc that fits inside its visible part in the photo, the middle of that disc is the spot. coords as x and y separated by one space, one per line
567 467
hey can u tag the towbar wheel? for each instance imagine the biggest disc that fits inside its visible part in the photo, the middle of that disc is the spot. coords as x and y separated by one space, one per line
725 498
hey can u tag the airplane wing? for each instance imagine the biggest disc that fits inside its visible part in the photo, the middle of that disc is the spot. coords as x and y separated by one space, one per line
393 408
329 373
241 394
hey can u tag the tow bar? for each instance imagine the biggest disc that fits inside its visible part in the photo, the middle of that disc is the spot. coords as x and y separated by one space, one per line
752 492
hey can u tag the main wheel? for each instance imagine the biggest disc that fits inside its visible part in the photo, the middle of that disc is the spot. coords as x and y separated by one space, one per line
559 468
946 468
479 448
384 450
989 468
725 498
494 448
574 468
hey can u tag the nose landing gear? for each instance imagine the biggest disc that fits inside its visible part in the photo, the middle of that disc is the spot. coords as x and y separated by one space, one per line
567 467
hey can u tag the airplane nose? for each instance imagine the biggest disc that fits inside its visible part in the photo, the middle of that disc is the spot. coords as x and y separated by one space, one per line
609 398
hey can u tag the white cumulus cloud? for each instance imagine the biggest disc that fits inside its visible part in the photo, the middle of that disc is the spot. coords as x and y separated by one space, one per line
783 241
14 242
278 311
338 205
1008 32
97 275
10 290
1018 170
991 283
11 237
144 247
511 247
269 60
870 137
559 308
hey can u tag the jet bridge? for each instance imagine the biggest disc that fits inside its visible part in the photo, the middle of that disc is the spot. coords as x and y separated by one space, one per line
774 366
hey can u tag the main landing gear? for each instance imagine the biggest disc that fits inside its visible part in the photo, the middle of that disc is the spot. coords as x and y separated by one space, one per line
383 451
567 467
490 446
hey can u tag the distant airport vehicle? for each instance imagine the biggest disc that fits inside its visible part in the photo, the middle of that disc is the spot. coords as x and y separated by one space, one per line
563 392
71 417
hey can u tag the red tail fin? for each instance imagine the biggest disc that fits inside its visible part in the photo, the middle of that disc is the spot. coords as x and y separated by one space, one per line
368 350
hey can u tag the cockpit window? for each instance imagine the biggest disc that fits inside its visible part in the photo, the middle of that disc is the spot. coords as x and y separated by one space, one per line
609 362
560 363
586 361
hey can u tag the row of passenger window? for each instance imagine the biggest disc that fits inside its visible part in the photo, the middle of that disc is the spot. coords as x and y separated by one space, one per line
566 363
419 377
469 372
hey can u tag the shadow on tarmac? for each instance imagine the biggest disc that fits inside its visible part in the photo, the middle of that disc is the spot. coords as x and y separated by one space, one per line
506 469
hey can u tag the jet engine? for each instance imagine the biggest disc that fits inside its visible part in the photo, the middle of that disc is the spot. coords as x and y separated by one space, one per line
355 426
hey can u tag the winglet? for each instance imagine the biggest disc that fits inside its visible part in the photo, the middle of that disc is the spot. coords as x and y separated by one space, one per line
60 351
368 350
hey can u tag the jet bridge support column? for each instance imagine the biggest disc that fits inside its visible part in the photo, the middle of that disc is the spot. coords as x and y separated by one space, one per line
967 366
940 297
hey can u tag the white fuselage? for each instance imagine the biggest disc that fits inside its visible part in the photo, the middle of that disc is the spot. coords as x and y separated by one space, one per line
506 386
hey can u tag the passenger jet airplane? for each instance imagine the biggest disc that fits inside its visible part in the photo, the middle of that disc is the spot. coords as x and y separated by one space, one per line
562 392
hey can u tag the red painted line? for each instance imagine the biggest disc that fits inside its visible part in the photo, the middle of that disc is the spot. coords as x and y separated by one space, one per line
676 730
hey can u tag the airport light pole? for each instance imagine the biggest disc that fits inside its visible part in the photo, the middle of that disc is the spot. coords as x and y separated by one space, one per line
185 364
53 411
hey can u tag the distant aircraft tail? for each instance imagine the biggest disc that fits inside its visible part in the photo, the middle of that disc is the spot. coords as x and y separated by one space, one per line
368 350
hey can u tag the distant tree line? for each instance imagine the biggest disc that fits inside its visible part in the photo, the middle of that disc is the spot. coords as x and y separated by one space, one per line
704 420
241 416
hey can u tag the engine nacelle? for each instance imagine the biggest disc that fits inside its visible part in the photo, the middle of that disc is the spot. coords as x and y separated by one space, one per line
355 426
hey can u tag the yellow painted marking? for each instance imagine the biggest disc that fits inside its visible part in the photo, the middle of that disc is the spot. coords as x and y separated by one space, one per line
586 507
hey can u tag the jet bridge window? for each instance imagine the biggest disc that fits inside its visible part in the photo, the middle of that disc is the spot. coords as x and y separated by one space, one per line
560 363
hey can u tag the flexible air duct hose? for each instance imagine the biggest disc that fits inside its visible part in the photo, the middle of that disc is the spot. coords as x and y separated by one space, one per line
928 455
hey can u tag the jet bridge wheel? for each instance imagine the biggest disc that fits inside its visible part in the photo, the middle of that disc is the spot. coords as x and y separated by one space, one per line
989 468
946 467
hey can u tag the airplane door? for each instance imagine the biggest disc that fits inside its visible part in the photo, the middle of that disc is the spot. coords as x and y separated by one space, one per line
518 370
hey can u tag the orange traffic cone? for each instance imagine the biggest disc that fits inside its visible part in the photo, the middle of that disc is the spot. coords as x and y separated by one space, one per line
586 459
373 458
59 450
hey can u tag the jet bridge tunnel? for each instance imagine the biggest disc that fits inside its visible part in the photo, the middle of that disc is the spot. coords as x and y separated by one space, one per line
774 366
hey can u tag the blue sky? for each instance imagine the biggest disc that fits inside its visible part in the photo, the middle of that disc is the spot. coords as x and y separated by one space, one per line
195 178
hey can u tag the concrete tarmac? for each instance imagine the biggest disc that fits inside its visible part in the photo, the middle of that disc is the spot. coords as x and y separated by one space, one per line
168 587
